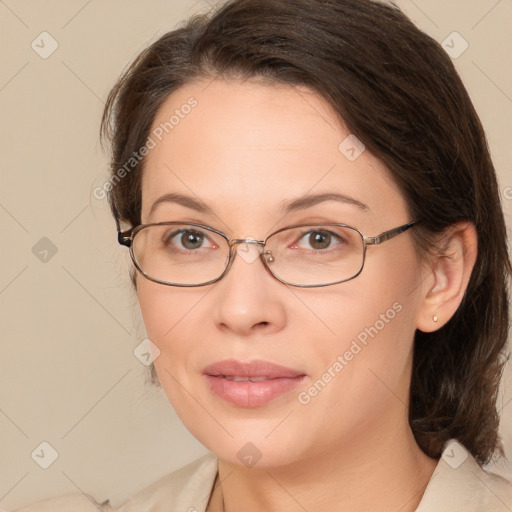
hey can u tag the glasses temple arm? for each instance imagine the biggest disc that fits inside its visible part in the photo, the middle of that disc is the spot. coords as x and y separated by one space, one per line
387 235
123 237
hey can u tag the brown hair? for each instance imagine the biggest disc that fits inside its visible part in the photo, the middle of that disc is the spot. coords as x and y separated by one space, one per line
396 90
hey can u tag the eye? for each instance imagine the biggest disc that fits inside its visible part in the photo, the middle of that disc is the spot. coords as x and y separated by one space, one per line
187 239
319 239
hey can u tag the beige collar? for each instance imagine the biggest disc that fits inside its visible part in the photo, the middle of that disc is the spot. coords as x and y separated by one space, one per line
458 484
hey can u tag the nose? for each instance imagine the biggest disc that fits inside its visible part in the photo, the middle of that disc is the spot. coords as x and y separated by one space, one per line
248 300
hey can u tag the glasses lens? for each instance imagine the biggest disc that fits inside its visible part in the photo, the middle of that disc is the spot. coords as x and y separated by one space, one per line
315 255
180 253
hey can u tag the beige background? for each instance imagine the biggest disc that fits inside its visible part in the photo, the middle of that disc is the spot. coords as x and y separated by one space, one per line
69 325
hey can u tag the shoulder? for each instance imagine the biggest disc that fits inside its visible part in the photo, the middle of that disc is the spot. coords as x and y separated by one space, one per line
75 502
459 484
188 488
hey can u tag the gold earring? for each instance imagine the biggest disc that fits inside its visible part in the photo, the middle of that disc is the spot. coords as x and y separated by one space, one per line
435 318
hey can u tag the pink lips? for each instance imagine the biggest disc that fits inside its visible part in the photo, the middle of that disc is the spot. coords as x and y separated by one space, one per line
251 384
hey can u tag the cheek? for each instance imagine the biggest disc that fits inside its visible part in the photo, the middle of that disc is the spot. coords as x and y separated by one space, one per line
164 308
362 328
362 371
369 326
157 312
166 311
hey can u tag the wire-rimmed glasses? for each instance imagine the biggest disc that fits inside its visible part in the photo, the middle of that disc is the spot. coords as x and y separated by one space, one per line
303 255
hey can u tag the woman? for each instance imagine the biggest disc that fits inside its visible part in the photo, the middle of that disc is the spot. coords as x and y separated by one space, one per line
320 259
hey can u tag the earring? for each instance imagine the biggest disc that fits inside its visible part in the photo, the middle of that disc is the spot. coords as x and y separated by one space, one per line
435 318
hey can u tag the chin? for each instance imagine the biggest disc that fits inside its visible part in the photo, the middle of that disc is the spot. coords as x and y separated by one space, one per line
251 442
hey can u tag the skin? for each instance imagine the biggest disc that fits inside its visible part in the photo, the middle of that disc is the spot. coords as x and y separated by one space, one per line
244 149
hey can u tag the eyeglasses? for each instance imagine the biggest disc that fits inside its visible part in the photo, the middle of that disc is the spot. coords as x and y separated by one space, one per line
304 255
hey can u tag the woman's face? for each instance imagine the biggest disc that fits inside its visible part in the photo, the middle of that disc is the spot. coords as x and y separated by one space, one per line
247 150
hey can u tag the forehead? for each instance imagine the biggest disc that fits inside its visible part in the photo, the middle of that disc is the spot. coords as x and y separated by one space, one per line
249 146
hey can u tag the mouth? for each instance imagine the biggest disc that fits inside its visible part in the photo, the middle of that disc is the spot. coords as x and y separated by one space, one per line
236 378
251 384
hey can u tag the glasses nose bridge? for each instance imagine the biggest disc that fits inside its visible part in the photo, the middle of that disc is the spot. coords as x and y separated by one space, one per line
259 244
237 241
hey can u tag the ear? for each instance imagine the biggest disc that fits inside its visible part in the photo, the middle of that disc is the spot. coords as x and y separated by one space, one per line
447 277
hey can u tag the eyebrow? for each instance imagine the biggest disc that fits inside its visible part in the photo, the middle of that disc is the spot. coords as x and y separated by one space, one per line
183 200
288 206
313 199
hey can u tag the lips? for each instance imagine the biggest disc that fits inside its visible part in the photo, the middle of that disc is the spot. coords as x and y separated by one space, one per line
251 384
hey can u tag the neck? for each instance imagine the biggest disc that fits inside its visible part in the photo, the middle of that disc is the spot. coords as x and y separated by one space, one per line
365 474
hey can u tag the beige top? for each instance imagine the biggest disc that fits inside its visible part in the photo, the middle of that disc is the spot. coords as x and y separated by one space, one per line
458 484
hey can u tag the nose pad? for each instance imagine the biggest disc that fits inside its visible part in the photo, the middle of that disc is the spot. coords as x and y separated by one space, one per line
268 256
249 250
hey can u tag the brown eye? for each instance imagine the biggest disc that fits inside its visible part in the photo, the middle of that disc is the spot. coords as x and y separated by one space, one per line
191 240
185 239
319 239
